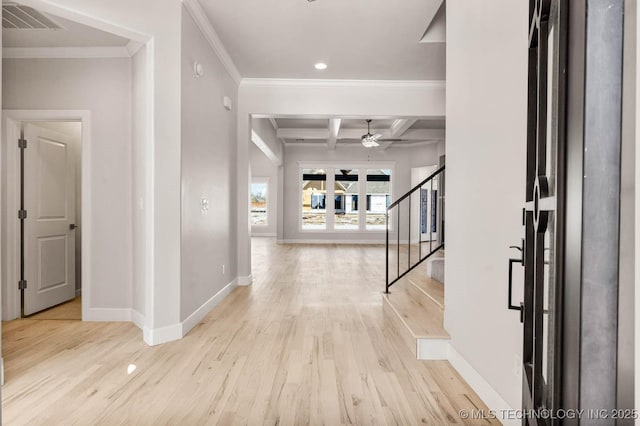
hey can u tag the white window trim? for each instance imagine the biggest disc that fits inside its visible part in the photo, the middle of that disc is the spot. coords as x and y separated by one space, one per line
362 168
265 180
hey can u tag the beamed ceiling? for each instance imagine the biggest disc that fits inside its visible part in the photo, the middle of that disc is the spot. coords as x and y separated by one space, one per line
339 132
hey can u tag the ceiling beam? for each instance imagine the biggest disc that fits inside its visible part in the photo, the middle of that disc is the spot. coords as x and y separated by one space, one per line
274 123
410 135
400 126
384 146
303 133
334 130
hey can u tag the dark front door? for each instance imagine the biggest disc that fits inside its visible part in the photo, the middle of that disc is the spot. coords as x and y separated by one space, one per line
571 214
543 214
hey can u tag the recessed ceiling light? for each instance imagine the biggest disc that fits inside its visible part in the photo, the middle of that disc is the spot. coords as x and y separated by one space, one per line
321 66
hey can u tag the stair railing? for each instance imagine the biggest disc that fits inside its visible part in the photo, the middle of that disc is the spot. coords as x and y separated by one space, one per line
415 227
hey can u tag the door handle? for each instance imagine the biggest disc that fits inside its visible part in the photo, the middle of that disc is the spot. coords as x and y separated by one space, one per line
513 261
72 226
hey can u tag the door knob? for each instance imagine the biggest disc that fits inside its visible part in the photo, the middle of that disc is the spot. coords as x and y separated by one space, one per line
72 226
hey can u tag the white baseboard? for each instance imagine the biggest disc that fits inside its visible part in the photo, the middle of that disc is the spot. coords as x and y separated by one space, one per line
432 349
314 241
78 292
169 333
265 234
106 314
487 394
158 336
203 310
138 319
245 281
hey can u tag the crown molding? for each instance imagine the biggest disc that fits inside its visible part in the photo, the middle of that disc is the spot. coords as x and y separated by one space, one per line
65 52
301 82
197 13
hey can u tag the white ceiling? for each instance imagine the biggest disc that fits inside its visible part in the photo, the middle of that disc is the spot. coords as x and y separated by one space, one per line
358 39
72 34
396 131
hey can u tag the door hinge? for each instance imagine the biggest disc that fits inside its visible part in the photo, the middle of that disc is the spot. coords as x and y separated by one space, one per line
22 214
22 285
22 143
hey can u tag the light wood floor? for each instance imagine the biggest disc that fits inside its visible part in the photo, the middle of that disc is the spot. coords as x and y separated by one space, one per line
71 310
306 344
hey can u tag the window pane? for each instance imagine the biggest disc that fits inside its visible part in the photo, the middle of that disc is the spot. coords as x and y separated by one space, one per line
346 199
259 203
314 202
378 197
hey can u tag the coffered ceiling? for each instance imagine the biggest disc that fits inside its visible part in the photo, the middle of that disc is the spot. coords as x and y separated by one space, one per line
337 132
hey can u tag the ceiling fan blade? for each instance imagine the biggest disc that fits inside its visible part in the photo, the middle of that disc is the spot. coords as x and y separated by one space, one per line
377 136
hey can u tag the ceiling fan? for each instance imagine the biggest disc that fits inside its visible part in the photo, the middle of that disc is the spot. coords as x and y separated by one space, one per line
369 140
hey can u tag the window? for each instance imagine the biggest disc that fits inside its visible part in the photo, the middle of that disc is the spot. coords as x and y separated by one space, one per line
259 204
314 199
346 199
378 197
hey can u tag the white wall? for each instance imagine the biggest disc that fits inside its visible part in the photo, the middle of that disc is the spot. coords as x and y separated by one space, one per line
486 144
102 86
262 167
161 29
139 149
322 98
402 158
208 172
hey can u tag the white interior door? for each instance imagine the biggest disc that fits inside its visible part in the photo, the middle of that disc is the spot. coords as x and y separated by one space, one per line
49 198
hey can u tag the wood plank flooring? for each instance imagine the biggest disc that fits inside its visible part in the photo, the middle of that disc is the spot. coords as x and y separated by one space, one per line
71 310
306 344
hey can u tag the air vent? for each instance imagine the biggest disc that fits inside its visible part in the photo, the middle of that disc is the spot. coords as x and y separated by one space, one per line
15 16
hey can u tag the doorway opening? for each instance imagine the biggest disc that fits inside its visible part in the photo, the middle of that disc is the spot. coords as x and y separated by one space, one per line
44 250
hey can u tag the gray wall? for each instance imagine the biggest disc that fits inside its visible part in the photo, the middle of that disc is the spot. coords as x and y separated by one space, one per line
404 159
102 86
626 294
208 171
262 167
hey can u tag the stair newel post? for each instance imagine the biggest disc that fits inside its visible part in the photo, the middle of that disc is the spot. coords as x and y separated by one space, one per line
398 239
409 237
430 224
420 222
387 254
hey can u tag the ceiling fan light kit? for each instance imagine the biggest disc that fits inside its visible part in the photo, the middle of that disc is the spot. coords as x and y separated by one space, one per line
369 140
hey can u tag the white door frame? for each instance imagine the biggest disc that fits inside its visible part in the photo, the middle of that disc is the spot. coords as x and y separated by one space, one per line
10 168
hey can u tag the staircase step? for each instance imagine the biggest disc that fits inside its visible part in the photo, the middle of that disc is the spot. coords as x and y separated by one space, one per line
418 320
427 286
435 268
